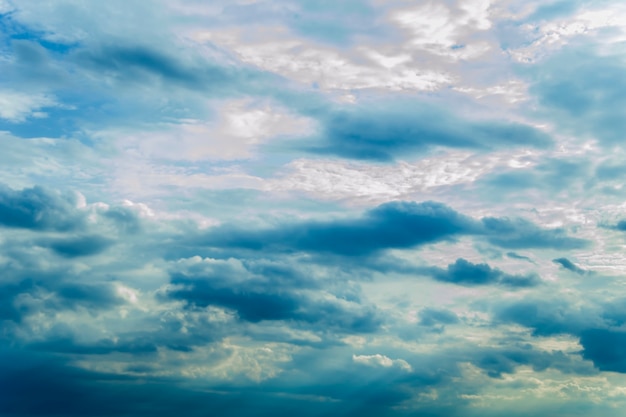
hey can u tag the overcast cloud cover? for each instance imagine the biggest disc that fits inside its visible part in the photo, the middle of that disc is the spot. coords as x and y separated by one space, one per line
343 208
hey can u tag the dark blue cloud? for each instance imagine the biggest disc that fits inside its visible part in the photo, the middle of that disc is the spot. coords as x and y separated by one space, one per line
619 226
136 62
256 301
50 289
69 345
395 225
463 272
570 266
49 297
545 318
61 389
39 209
46 210
606 348
73 247
8 292
250 305
390 225
384 132
514 255
614 312
496 362
598 328
74 295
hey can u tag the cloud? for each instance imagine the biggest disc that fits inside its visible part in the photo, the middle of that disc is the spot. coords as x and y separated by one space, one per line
267 297
135 63
382 360
241 126
339 180
77 246
499 361
51 292
386 131
606 348
17 107
597 327
397 225
248 243
551 175
432 317
68 345
569 265
390 225
39 209
91 391
515 255
463 272
517 233
544 317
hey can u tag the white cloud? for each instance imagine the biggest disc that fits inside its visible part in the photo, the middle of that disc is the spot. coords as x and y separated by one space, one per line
138 179
440 30
325 66
430 46
379 360
16 106
549 36
240 126
338 180
511 91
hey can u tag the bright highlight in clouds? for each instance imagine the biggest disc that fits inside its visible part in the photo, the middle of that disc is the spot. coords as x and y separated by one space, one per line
353 208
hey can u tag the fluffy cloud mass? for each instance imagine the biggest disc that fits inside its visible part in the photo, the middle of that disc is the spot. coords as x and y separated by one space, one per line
273 208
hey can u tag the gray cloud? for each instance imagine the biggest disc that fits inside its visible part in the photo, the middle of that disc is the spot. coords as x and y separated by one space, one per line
570 266
463 272
39 209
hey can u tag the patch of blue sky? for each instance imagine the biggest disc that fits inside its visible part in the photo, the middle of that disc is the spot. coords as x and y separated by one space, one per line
47 122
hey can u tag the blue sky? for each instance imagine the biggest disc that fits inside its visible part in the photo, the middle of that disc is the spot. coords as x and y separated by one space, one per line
346 208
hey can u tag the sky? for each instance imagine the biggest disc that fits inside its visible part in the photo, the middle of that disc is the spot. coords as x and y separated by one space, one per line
345 208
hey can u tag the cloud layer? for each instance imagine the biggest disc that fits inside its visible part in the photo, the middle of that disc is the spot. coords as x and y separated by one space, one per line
354 208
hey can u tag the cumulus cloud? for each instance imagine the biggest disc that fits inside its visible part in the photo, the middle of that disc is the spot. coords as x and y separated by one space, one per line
398 225
268 296
382 360
463 272
39 209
